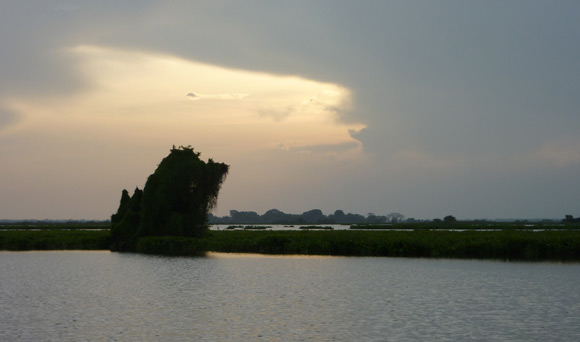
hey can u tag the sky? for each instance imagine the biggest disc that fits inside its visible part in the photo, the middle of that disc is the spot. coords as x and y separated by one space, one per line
426 108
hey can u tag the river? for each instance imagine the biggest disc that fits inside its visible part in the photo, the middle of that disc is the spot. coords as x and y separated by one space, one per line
104 296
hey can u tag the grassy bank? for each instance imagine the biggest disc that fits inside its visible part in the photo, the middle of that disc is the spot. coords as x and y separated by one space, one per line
34 225
54 239
469 225
505 244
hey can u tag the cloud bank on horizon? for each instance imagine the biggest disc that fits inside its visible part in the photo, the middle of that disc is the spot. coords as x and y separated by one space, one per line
424 108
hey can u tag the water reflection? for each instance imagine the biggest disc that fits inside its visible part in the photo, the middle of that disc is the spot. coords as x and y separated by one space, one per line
72 296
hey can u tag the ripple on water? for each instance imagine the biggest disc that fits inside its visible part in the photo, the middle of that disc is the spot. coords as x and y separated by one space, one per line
102 296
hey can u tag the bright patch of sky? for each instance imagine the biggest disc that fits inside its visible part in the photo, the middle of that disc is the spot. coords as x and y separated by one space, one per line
151 101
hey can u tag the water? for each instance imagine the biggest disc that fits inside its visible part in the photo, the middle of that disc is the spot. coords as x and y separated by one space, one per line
295 227
103 296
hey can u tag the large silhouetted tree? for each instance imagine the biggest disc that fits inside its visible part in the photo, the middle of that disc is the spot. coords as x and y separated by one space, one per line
176 200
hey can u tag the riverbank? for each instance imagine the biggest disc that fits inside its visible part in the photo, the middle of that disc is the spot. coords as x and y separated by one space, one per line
529 245
54 239
506 245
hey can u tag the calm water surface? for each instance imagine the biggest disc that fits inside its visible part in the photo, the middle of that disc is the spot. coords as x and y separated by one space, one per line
103 296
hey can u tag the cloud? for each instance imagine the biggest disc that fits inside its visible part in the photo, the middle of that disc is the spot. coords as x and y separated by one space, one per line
561 153
197 96
343 150
7 117
331 149
277 114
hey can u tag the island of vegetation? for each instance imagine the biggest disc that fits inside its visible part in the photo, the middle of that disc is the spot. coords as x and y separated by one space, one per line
175 202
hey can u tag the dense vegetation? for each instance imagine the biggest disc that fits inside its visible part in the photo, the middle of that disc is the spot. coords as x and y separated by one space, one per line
561 244
505 244
43 225
54 239
470 225
175 201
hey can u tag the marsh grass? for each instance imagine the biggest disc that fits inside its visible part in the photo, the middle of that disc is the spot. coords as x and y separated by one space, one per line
468 225
504 244
55 239
234 227
257 227
316 228
56 226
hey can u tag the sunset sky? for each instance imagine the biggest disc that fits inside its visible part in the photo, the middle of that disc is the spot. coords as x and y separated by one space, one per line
427 108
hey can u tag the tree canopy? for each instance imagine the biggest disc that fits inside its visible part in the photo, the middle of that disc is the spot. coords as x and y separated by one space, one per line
176 200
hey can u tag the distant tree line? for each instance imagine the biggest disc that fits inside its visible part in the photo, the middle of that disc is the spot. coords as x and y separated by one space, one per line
314 216
571 219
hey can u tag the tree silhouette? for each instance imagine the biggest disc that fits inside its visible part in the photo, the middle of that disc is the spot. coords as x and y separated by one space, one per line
449 219
125 222
176 200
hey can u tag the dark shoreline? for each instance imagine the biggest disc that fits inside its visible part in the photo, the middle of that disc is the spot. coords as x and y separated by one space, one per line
521 245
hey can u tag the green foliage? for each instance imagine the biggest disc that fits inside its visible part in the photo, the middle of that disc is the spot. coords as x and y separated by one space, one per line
256 227
179 195
571 219
176 200
468 225
504 245
54 239
449 219
562 245
316 227
125 222
72 225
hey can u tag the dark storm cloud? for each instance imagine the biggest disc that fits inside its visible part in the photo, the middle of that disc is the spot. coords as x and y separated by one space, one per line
31 36
447 76
34 36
